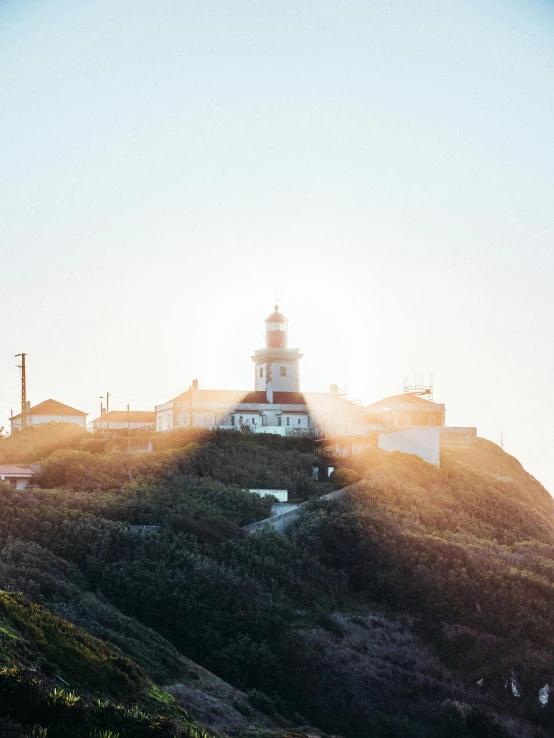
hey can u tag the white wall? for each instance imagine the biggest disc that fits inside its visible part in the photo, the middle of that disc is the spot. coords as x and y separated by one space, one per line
423 442
79 420
293 420
164 420
20 482
120 425
288 383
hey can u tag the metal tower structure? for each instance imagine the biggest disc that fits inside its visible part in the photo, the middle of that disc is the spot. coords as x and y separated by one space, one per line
418 386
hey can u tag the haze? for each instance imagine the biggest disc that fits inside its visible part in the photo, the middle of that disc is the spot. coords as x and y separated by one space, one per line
387 168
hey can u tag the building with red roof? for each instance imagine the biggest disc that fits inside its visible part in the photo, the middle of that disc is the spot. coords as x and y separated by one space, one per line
407 409
275 406
16 476
125 420
49 411
408 422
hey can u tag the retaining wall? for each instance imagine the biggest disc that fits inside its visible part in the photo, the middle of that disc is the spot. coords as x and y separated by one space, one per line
422 442
283 521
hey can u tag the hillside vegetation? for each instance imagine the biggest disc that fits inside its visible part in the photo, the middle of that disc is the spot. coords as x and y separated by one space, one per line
420 604
58 681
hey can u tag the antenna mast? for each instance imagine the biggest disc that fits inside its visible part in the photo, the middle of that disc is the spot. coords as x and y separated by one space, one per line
23 391
418 386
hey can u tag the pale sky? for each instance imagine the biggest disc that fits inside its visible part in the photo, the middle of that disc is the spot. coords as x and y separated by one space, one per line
387 166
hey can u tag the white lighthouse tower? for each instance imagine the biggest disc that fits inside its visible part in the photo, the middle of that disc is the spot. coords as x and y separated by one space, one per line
277 367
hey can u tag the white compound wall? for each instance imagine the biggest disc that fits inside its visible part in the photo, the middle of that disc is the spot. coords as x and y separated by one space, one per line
422 442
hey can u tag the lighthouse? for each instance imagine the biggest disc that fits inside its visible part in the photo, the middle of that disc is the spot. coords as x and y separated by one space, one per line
277 367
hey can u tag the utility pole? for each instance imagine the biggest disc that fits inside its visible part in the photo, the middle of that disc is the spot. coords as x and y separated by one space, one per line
107 411
23 391
128 430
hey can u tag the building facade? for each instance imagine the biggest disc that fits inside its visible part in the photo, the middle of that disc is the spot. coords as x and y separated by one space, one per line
406 410
406 422
49 411
16 476
276 405
122 420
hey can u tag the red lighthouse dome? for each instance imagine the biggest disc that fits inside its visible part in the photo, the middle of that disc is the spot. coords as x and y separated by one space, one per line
276 329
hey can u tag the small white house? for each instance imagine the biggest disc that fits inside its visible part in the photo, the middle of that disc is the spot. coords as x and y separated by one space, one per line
16 476
50 411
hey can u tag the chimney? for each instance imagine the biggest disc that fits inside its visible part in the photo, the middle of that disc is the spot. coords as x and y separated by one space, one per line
27 406
103 411
333 389
194 384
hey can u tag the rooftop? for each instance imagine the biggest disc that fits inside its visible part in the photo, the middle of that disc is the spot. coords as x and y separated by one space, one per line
51 407
237 397
122 416
13 471
276 317
404 399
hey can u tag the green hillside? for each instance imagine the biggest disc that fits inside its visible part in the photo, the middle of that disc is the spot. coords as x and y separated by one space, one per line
56 680
417 605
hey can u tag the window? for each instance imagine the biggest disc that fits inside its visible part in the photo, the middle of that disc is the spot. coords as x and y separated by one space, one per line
253 421
283 371
288 421
232 419
279 420
261 371
299 421
240 419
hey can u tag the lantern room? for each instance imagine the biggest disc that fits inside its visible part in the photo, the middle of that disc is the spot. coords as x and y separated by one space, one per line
276 329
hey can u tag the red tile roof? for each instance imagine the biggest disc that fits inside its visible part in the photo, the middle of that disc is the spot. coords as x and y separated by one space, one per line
122 416
254 398
51 407
203 395
289 398
236 397
12 471
276 317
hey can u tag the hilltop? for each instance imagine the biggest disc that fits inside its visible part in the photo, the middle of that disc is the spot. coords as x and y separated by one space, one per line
418 604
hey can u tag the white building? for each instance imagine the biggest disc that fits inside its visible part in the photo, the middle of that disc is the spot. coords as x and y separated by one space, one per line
405 410
275 406
407 422
16 476
118 420
49 411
